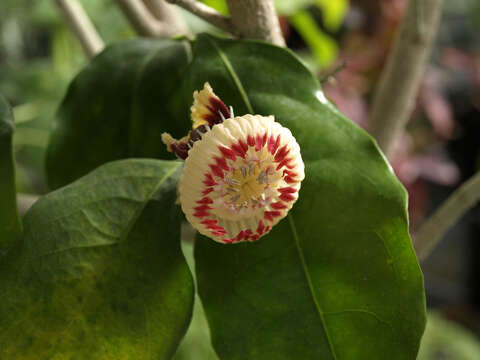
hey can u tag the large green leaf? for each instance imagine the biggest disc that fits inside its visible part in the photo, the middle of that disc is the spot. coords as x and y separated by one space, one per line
118 107
100 273
336 279
10 227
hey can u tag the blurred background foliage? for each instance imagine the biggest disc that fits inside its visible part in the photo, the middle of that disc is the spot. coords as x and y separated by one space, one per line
440 149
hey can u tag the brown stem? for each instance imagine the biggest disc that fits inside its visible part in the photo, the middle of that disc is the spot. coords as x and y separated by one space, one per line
396 93
143 21
81 26
206 13
433 230
256 19
167 14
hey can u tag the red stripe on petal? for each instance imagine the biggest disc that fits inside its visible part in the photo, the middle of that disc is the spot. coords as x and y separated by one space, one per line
201 214
202 208
222 163
228 153
287 190
238 149
228 241
207 191
205 200
209 180
240 236
260 227
281 153
250 140
260 141
290 180
273 144
254 237
285 162
216 170
243 144
287 197
278 205
209 222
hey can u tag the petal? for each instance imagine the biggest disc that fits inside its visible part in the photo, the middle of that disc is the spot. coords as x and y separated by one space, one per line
241 178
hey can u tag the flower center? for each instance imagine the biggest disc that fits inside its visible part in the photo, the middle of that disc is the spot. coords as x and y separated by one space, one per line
245 185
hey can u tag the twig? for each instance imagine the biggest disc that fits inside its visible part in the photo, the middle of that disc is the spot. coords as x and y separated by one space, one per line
81 26
144 23
206 13
334 72
256 19
432 231
167 14
25 202
395 96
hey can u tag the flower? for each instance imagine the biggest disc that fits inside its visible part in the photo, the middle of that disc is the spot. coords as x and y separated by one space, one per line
242 174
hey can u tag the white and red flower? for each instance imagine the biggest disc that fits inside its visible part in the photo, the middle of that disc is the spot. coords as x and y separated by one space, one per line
242 174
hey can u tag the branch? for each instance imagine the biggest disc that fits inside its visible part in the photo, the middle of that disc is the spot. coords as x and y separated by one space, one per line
143 21
256 19
433 230
206 13
25 202
81 26
167 14
396 93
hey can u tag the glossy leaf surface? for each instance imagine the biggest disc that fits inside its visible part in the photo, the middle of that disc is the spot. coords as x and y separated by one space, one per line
100 273
118 107
10 227
338 278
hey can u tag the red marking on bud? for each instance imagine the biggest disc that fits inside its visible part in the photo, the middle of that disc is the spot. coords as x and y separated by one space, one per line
228 241
287 197
209 180
250 140
219 105
228 153
273 144
180 149
267 229
278 205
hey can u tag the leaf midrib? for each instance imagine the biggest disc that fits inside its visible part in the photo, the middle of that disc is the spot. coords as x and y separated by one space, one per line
248 105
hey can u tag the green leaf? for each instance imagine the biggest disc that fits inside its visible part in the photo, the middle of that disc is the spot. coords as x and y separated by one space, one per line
289 7
118 107
10 227
333 12
100 273
323 47
336 279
